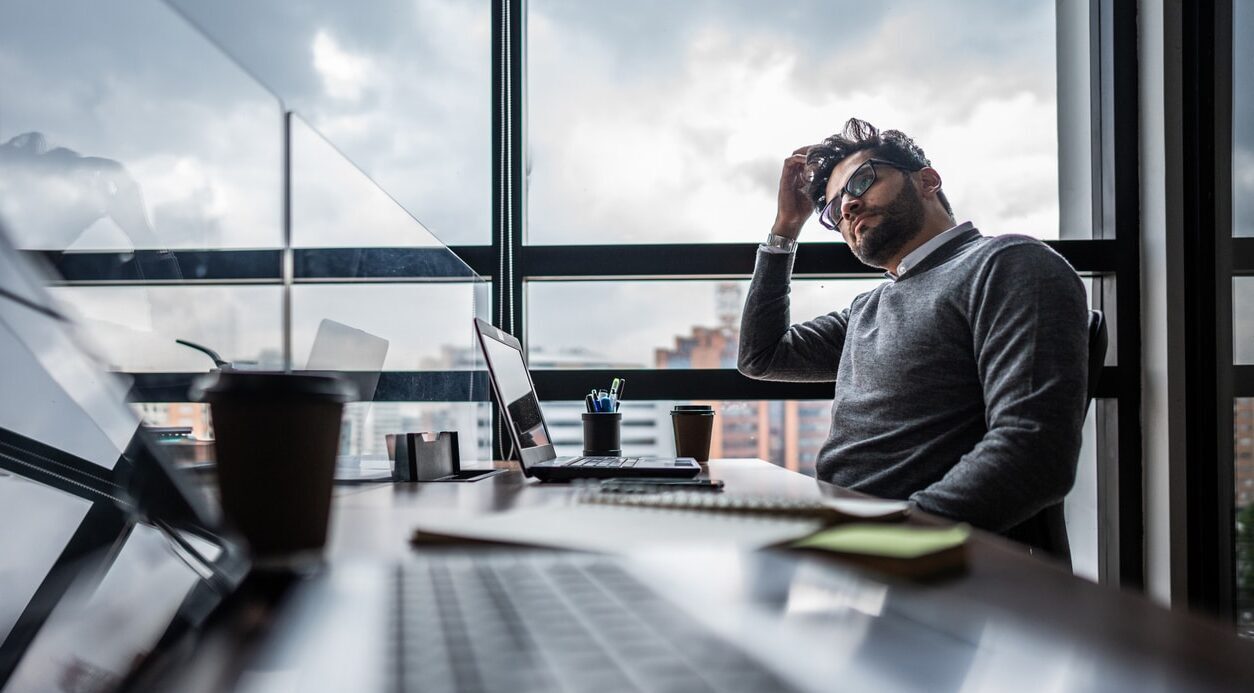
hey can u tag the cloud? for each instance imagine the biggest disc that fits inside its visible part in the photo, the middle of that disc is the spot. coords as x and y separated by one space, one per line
344 75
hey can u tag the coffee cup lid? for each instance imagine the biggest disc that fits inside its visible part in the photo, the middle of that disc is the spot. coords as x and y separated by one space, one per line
693 408
271 384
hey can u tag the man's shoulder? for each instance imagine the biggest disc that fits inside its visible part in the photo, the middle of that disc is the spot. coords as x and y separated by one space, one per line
1018 247
996 244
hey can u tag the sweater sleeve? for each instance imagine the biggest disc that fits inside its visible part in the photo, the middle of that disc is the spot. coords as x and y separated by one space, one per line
1029 320
773 349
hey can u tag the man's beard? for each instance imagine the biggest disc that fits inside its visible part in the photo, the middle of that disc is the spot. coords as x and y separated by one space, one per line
900 221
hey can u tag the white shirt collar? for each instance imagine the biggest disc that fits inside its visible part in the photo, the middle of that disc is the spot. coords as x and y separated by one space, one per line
912 260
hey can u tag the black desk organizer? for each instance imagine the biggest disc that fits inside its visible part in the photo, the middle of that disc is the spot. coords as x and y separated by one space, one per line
432 457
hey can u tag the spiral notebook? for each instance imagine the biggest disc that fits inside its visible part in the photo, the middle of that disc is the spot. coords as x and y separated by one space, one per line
825 508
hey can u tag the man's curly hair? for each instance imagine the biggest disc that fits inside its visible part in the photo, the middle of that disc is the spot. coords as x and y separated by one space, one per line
859 135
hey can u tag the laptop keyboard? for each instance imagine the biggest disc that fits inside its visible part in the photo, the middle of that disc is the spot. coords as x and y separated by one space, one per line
549 622
603 462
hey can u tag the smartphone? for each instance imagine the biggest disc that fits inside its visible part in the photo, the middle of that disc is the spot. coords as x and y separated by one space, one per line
644 484
470 475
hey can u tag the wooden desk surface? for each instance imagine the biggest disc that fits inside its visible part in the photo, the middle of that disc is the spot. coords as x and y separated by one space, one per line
1007 598
1011 622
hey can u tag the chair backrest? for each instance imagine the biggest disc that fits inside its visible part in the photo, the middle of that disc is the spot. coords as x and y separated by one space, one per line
1047 530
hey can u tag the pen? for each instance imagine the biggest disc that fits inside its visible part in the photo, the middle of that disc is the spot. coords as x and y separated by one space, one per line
622 383
588 401
614 395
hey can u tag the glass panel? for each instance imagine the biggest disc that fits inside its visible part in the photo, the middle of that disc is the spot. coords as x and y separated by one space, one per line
425 326
421 325
1080 507
1243 119
105 624
657 324
49 518
367 424
107 144
334 204
1243 488
404 89
135 326
668 122
786 432
1243 320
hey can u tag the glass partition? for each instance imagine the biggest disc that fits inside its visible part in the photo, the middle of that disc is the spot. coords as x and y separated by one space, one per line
377 295
149 166
121 128
404 89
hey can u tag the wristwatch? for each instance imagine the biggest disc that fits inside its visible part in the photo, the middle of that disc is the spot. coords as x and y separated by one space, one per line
779 244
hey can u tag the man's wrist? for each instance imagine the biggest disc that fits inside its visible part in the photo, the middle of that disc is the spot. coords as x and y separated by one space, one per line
776 243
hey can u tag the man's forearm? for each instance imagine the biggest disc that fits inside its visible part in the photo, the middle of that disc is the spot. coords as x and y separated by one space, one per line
771 348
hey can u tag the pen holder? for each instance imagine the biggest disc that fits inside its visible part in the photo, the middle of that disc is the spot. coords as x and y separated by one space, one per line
602 434
424 456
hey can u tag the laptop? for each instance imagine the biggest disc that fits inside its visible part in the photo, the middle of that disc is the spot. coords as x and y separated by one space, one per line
520 408
115 572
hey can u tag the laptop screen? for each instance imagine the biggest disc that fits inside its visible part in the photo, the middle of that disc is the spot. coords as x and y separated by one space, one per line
513 384
105 551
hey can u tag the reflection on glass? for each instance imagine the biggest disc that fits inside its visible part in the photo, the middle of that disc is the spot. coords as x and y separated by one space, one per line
657 324
105 626
788 433
403 89
669 122
135 326
105 143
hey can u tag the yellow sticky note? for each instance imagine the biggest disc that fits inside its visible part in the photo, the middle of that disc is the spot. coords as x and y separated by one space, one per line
890 541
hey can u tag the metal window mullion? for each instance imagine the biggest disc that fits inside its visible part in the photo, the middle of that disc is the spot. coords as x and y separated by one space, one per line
287 268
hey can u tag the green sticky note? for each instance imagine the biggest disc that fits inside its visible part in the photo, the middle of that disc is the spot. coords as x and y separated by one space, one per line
891 541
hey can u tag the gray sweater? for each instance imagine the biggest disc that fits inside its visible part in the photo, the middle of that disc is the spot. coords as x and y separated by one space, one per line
960 386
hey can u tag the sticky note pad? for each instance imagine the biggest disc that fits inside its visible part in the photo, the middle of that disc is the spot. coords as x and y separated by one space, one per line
886 541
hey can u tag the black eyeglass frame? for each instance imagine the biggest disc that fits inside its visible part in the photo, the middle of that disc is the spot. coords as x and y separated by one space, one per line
825 217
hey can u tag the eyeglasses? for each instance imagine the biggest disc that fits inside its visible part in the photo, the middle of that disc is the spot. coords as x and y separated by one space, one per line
856 185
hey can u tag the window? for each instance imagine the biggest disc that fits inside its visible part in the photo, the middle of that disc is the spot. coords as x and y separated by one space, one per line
668 122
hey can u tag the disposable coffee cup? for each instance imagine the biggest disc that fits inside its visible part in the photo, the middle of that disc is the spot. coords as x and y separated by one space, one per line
694 426
602 434
276 439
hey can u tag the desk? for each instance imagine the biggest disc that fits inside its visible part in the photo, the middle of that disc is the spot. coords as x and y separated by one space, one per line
1012 622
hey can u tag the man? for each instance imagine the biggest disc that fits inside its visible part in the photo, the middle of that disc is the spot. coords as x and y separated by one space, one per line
961 381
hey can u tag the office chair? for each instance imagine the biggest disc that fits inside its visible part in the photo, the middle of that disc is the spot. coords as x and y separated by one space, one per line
1047 530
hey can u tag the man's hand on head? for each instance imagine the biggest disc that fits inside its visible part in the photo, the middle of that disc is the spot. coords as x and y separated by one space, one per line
794 207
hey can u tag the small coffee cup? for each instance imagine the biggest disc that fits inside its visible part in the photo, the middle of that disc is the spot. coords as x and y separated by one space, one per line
276 439
694 426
